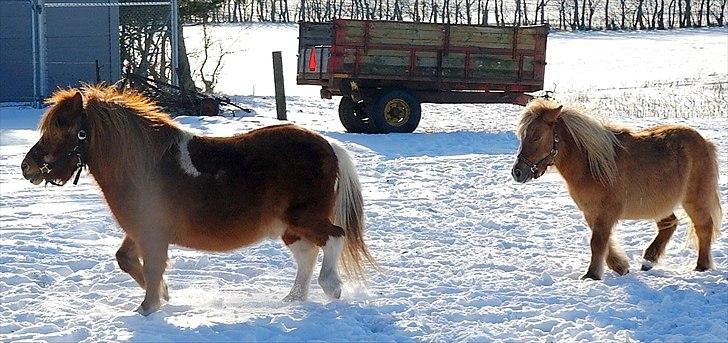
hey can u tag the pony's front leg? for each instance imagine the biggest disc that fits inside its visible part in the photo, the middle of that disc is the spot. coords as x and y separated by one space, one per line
601 230
128 259
154 254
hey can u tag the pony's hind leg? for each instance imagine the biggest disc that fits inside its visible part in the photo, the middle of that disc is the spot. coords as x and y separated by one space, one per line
616 260
703 226
329 279
665 228
304 252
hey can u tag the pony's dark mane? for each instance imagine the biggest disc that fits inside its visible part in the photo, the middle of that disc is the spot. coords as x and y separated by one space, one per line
126 129
592 136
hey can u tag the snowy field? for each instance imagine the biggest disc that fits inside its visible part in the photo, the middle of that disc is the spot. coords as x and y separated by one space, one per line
466 253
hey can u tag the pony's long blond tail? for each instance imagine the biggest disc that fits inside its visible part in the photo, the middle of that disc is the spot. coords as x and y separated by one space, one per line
349 215
716 212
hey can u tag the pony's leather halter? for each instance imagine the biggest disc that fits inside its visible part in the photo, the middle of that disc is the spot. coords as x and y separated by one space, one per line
548 159
79 151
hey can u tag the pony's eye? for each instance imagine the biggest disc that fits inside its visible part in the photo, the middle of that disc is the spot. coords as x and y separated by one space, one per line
535 138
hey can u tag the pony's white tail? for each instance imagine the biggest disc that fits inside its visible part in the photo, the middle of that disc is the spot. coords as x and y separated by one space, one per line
349 215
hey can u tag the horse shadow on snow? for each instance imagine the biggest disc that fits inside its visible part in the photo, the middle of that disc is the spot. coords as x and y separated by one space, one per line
295 322
681 310
397 145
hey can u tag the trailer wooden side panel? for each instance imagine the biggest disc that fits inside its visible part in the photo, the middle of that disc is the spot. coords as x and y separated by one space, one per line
421 55
461 53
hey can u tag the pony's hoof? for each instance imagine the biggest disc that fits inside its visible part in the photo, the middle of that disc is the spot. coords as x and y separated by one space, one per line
294 298
331 287
701 268
590 276
147 310
165 292
647 265
333 294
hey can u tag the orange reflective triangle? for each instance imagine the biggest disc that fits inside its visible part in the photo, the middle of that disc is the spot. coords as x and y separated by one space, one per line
312 66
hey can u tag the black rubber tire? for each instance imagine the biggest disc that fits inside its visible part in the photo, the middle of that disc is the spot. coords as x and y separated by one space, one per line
209 107
353 118
408 124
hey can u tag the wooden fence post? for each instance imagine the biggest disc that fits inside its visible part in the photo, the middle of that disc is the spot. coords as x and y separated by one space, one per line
280 90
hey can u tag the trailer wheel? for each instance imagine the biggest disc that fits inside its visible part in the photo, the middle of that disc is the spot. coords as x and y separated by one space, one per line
209 107
397 111
353 117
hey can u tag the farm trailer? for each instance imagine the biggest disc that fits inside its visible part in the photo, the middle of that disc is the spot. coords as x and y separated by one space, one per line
383 70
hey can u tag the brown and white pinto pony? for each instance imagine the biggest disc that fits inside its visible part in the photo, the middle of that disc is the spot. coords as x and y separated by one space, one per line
614 173
166 186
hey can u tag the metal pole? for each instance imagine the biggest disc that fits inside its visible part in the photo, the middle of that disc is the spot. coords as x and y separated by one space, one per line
42 53
36 57
278 80
174 23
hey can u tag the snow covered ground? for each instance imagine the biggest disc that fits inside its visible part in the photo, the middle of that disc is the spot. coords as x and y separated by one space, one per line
466 254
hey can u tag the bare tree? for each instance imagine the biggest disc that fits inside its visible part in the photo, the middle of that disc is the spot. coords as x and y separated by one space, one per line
468 8
721 16
209 78
592 9
671 14
688 19
497 17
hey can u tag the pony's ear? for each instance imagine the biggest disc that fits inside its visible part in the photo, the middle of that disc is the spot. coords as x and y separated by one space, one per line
552 115
75 103
72 108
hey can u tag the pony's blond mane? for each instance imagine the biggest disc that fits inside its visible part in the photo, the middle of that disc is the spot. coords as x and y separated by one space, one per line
595 138
126 129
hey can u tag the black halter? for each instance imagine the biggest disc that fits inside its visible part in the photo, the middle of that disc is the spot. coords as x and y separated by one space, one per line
548 159
79 151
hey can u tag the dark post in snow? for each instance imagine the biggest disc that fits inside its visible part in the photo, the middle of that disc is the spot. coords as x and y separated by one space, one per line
280 91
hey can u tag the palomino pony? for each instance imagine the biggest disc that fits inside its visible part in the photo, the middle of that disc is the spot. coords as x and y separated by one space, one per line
614 173
166 186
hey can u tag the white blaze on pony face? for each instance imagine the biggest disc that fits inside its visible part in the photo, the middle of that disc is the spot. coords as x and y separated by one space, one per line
185 162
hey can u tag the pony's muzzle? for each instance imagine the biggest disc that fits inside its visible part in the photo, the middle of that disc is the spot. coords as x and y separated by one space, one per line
31 171
520 173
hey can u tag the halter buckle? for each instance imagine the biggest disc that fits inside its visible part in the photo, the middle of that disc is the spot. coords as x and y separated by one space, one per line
534 170
45 168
